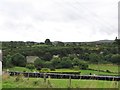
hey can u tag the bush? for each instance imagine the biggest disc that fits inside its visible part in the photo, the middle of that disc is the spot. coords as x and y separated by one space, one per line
35 82
52 69
30 66
19 78
45 70
108 71
76 67
38 68
84 66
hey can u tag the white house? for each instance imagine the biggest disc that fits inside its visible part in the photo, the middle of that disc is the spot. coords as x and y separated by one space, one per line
31 59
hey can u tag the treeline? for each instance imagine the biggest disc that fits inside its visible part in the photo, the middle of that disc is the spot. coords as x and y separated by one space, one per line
90 52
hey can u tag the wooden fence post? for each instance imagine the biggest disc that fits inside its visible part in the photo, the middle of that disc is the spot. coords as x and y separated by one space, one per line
44 75
69 81
28 76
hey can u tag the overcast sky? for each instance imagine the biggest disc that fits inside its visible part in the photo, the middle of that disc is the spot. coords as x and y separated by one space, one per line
58 20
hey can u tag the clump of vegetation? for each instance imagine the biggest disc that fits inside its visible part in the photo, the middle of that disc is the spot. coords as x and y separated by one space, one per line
20 77
30 66
49 85
35 82
108 71
5 76
76 68
57 83
45 70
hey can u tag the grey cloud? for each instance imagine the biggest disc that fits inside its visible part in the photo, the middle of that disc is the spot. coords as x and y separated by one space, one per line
99 17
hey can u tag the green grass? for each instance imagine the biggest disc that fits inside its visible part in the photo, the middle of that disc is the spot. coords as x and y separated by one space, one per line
83 72
87 72
57 83
20 69
65 70
0 82
110 67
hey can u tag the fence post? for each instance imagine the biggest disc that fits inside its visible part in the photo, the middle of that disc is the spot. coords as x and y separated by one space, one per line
69 81
28 76
44 75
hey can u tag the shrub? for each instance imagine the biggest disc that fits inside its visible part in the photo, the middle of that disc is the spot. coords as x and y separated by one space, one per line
45 70
108 71
30 66
52 69
84 66
5 76
35 82
76 67
19 78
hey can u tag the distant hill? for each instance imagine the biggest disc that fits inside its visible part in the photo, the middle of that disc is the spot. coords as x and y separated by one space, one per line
105 41
97 42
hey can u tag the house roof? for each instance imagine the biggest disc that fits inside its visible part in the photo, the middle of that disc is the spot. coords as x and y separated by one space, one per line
31 59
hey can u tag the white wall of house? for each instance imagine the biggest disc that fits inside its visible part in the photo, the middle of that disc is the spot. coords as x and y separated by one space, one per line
0 62
31 59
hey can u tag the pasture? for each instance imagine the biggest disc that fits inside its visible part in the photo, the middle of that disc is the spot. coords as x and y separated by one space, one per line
11 82
94 69
110 67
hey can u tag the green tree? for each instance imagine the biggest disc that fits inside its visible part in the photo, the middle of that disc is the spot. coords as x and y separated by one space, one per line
47 56
81 64
48 42
108 57
38 63
66 62
115 58
56 62
48 64
95 58
7 61
19 60
76 62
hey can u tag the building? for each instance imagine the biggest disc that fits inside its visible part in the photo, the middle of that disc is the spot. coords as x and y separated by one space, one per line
31 59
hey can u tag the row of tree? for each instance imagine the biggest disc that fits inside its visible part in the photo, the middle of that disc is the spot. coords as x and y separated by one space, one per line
56 62
14 53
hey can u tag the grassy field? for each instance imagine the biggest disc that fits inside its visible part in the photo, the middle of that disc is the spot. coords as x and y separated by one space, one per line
110 67
0 82
11 82
83 72
20 69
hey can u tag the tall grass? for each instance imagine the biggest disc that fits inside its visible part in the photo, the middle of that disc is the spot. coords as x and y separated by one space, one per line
23 82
